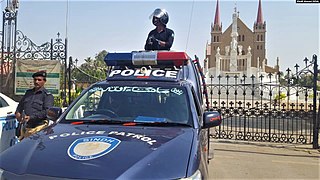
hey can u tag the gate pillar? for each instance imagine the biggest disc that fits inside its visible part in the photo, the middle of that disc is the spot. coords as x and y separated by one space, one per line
315 137
8 47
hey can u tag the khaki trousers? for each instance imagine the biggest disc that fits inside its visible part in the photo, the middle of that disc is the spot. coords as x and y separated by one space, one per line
26 132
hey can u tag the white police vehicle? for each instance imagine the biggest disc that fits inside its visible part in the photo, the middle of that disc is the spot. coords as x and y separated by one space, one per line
8 122
7 105
146 121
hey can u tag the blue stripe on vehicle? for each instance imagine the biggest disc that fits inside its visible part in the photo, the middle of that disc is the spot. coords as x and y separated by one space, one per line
9 117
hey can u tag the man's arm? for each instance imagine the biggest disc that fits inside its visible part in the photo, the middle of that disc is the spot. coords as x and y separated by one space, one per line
147 46
170 40
149 42
19 109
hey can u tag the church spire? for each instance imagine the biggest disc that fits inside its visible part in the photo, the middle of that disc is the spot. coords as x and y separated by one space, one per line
217 15
259 15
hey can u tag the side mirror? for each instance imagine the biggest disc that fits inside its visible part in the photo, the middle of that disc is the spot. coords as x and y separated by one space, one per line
211 119
54 113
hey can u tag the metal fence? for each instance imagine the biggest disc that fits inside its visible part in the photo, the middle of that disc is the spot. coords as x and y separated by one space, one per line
271 108
17 46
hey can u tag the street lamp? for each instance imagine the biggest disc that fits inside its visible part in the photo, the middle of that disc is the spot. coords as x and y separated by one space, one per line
76 61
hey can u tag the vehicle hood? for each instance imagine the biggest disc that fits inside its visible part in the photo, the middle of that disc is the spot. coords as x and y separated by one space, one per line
102 151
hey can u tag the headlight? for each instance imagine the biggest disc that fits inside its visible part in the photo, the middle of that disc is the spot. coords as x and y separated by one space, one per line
195 176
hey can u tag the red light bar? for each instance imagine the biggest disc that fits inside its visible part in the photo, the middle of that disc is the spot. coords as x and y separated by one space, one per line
179 58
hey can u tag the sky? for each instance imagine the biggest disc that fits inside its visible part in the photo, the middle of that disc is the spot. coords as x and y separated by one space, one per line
122 26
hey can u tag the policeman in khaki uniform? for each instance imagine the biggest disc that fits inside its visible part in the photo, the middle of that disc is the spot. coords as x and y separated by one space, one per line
33 106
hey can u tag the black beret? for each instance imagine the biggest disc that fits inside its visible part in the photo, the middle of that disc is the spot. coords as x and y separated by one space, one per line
40 73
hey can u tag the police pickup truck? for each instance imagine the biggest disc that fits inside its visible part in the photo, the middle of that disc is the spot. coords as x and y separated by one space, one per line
145 121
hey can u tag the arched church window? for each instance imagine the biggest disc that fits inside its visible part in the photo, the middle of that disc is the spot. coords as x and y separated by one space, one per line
218 39
258 47
257 37
242 37
214 38
261 37
239 38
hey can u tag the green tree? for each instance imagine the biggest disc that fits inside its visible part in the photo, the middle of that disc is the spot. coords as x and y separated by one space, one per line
92 70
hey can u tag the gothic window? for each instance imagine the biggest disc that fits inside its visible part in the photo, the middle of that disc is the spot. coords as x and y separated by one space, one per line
258 47
239 38
257 37
261 37
242 37
218 39
214 38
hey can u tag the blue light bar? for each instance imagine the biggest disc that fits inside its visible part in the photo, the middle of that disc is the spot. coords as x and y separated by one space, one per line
118 59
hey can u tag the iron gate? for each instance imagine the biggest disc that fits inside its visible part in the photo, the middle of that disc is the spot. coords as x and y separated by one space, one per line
276 108
15 45
25 48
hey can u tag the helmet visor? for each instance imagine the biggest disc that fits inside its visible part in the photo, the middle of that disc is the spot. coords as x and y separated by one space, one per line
157 13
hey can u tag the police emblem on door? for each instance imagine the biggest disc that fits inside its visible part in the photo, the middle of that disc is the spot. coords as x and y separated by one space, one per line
92 147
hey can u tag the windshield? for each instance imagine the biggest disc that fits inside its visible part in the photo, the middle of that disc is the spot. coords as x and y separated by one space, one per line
132 104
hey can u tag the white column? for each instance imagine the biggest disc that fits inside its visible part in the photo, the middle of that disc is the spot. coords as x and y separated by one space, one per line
218 59
205 67
234 43
264 65
249 55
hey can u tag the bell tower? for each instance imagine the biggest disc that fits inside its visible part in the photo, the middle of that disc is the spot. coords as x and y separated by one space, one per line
216 36
259 37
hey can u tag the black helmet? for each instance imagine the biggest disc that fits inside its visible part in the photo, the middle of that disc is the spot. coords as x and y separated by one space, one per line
161 14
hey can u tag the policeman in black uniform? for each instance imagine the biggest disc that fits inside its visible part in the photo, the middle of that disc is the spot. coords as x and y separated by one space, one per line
160 38
33 106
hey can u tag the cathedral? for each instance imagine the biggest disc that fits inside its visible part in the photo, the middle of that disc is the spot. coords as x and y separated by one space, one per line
238 50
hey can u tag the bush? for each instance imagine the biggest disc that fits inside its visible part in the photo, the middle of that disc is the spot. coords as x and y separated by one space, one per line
280 98
58 100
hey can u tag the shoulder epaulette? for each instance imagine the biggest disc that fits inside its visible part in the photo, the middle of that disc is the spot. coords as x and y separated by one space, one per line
46 91
29 90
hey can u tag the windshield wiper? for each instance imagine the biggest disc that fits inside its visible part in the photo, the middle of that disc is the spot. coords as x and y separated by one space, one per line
156 121
99 121
145 121
168 123
129 123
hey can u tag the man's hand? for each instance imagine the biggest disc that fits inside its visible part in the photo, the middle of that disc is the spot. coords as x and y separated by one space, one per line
26 118
151 39
18 116
162 43
21 119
